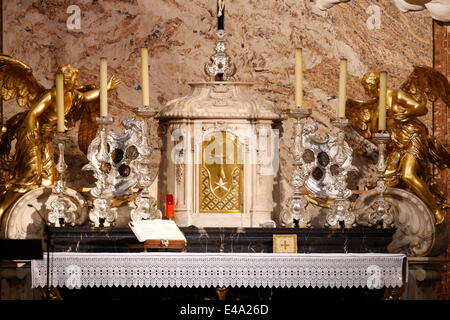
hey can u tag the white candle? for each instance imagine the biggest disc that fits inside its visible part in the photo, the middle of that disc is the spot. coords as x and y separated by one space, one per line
298 78
59 83
145 77
342 88
103 87
382 102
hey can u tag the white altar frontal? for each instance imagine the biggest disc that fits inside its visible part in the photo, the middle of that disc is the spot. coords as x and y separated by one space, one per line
77 270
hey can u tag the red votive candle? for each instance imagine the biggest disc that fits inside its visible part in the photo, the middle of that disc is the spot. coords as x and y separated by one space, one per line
169 206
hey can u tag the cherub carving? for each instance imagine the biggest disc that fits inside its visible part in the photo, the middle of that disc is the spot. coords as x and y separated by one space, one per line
30 163
411 150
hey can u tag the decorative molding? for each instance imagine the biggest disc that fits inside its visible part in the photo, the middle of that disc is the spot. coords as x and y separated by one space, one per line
28 215
327 4
416 233
439 9
219 100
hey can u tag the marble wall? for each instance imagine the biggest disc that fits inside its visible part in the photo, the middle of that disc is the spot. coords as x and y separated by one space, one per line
441 120
180 38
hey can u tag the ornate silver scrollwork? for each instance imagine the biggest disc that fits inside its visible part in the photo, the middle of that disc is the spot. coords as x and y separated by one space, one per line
220 64
121 162
116 156
324 157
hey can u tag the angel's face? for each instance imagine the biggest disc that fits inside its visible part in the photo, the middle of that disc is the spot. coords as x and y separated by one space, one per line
371 83
71 81
70 77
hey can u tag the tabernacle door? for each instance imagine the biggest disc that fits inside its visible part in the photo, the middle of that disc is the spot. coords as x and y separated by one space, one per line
221 174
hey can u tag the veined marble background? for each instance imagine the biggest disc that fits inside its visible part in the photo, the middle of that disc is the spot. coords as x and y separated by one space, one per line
180 35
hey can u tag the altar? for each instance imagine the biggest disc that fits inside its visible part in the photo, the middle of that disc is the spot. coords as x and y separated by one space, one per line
227 163
240 261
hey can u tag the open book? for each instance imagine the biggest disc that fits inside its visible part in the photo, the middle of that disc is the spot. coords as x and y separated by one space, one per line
156 230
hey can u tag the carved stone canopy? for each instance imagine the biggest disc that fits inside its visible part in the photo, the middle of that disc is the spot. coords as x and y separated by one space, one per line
220 100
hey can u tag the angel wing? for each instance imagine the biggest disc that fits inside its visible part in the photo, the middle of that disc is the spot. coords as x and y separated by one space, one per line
362 116
425 82
17 82
86 113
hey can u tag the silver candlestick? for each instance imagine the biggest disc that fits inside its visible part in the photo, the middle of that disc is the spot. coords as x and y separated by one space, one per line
381 214
144 202
295 214
101 214
341 210
59 215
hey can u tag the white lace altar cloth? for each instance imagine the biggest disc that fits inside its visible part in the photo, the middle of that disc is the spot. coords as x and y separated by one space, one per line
76 270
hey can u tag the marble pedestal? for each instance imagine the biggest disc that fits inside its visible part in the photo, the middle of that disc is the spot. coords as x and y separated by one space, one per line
15 281
424 276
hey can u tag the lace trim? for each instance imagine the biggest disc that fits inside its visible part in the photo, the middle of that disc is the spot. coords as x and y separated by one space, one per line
76 270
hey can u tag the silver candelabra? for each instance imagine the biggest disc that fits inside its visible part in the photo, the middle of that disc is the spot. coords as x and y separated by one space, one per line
144 202
381 212
295 215
59 215
341 210
101 214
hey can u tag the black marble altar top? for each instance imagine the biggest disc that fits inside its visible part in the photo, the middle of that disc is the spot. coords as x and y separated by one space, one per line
258 240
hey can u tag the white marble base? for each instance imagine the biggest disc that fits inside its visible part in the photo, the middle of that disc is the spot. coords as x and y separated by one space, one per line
224 220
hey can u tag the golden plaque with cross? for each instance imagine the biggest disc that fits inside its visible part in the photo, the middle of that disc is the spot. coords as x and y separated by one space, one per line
221 174
284 243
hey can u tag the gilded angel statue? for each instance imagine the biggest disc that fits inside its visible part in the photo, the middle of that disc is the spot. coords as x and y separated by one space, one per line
30 164
411 150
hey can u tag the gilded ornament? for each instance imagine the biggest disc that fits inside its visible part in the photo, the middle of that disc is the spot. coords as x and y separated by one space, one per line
31 163
412 151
